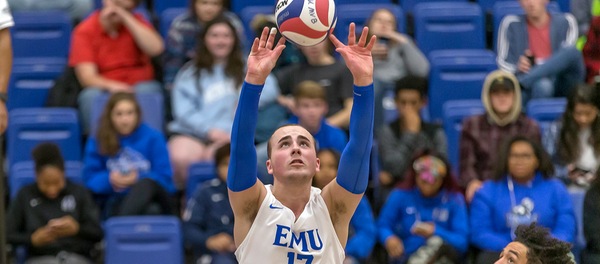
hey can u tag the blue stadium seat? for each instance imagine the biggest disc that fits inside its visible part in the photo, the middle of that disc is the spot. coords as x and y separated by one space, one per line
238 5
247 14
504 8
545 111
23 173
31 79
30 126
197 174
456 75
159 6
409 5
359 13
577 198
143 239
41 34
449 25
167 17
152 110
455 112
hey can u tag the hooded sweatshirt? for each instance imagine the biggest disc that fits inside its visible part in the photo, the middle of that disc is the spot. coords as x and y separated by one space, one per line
482 135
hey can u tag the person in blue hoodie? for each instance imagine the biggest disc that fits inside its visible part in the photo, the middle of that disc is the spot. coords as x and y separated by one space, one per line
208 218
425 218
521 192
126 164
363 232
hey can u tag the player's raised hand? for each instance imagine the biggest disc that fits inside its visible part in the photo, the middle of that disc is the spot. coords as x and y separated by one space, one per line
263 56
357 55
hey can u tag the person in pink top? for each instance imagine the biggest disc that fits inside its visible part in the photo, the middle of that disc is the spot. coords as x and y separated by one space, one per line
111 51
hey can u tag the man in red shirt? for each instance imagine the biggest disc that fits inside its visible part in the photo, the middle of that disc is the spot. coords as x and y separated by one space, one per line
111 52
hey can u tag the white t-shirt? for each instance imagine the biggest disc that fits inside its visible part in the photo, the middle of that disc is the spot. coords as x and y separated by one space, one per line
276 237
6 19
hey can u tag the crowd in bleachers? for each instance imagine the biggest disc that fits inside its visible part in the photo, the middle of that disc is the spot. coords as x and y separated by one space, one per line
486 118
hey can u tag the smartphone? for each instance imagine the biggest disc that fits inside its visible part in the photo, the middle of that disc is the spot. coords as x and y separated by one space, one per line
531 60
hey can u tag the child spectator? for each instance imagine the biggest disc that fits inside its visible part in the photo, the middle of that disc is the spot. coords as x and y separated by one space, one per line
56 219
425 220
208 218
126 164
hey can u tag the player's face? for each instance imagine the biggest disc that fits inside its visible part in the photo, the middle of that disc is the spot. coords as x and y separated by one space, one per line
219 41
513 253
534 8
522 161
382 22
310 111
124 117
293 157
585 114
207 10
328 169
50 181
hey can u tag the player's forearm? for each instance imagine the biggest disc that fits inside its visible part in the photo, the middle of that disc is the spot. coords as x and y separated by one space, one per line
242 164
353 171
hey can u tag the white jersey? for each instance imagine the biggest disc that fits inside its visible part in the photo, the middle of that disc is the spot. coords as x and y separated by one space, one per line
6 19
275 236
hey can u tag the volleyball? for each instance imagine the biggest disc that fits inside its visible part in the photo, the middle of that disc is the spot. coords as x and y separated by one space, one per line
305 22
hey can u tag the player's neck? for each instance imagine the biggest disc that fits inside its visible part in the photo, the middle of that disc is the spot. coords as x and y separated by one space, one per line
293 197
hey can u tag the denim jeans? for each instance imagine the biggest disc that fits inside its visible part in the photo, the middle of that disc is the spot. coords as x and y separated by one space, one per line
77 9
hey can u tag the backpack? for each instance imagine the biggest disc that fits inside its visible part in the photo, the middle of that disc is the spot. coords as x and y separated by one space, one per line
65 90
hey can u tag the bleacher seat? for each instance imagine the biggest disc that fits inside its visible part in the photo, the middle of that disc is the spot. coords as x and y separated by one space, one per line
504 8
143 239
238 5
409 5
577 198
198 173
27 127
41 34
247 14
456 75
31 79
152 106
23 173
359 13
159 6
488 5
546 110
166 18
455 112
449 25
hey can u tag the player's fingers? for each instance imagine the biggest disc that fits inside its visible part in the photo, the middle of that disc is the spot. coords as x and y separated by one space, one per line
336 42
271 38
351 34
363 37
263 37
372 42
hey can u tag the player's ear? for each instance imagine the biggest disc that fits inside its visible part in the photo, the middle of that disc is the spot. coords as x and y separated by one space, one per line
269 167
318 164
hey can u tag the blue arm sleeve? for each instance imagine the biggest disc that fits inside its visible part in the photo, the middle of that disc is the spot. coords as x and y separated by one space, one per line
353 172
242 163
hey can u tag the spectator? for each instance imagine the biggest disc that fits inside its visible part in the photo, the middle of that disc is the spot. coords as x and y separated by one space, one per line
181 40
362 232
111 51
126 164
56 219
482 135
330 73
77 9
583 11
311 107
520 192
591 52
534 244
425 220
578 138
208 218
6 21
400 140
539 48
205 95
591 223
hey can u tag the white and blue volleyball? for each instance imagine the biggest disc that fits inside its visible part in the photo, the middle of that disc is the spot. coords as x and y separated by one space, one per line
305 22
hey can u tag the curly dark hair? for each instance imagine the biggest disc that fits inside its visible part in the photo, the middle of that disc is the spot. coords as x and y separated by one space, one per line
47 154
544 162
568 147
234 67
542 248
